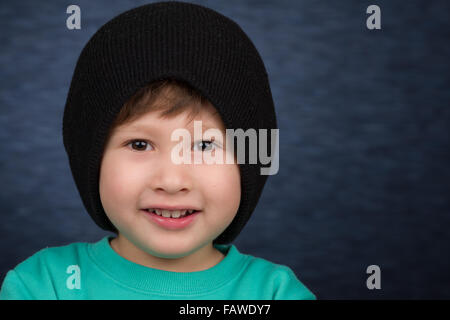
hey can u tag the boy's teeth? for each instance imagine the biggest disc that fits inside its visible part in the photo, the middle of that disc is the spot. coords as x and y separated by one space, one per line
171 213
176 214
166 213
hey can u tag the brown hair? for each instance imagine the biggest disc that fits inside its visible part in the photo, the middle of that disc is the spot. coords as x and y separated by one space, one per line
169 96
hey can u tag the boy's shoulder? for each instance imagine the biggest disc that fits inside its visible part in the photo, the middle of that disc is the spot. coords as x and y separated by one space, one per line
264 267
35 277
54 256
280 278
51 261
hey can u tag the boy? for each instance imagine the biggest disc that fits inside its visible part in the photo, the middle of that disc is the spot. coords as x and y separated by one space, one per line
144 76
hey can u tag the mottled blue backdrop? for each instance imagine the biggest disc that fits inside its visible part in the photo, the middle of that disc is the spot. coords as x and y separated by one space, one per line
364 121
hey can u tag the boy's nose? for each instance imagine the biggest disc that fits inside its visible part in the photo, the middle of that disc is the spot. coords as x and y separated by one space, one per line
171 178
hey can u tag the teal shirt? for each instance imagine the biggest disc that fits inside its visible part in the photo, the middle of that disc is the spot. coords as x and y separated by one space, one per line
95 271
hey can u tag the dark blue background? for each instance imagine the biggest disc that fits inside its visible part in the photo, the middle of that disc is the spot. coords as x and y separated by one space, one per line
364 139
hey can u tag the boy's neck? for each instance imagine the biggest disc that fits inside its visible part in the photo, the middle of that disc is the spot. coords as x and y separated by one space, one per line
202 259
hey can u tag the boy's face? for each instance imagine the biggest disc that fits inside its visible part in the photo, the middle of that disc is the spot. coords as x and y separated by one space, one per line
141 174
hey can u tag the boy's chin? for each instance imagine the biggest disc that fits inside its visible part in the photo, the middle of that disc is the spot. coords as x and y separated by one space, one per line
174 249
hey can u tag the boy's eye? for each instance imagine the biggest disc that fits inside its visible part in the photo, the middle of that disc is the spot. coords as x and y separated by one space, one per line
204 145
139 144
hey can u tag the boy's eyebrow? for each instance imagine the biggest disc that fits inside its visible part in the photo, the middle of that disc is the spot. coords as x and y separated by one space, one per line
148 129
140 128
133 128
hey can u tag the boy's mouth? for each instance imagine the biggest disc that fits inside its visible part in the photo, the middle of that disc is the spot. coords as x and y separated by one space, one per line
175 214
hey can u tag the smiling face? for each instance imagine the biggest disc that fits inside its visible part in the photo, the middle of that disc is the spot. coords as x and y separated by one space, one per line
137 172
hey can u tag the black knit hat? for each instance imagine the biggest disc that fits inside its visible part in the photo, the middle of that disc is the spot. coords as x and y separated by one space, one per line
163 40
